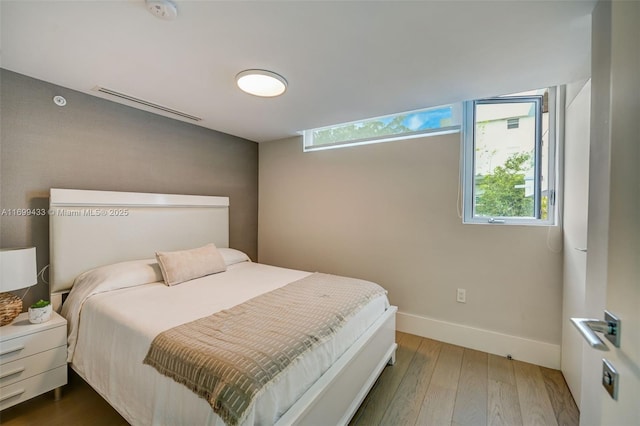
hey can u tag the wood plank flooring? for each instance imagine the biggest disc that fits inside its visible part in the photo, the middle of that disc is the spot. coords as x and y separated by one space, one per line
431 383
434 383
80 405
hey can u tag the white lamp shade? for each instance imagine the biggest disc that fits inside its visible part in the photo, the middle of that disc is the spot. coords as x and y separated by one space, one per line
18 268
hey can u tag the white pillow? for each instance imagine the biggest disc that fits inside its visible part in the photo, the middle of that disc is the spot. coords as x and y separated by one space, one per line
233 256
119 275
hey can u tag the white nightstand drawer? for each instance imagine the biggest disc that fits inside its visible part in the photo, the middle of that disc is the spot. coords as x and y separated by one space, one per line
33 343
33 386
23 368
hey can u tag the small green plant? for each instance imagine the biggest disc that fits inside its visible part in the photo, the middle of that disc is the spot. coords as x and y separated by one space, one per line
41 304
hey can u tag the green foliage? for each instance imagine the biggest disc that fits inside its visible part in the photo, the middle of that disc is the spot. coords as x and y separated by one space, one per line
544 208
41 304
502 192
355 131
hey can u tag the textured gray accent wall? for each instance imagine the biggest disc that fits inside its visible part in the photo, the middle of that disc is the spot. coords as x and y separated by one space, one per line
92 143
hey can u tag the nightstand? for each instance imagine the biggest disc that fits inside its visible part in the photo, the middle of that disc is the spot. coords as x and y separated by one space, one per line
33 358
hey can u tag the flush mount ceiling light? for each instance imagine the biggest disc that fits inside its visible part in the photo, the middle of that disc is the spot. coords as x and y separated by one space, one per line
262 83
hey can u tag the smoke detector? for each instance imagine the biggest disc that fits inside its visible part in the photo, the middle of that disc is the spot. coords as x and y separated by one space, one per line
59 100
162 9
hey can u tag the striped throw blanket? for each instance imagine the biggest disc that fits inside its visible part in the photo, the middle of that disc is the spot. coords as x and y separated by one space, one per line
228 357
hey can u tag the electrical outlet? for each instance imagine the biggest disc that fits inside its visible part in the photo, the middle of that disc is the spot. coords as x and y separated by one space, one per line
461 295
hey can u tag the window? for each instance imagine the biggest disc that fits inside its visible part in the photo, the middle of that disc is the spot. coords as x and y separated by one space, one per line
430 121
509 159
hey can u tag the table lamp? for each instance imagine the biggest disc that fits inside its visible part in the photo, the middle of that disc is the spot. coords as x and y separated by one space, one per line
17 270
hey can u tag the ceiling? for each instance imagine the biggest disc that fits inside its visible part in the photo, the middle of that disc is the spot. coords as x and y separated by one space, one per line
344 60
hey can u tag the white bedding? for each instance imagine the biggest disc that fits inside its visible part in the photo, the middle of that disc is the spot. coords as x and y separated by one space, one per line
115 328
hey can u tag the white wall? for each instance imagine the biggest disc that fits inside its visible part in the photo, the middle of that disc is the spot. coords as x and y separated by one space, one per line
387 212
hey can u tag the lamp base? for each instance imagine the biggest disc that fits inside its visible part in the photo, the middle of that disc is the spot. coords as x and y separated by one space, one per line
10 308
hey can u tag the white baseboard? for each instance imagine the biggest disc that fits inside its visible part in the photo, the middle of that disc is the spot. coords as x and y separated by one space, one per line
527 350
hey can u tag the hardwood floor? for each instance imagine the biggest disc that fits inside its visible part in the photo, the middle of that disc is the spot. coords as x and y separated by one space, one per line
80 405
432 383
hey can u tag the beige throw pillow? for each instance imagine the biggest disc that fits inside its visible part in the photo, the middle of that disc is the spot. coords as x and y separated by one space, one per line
185 265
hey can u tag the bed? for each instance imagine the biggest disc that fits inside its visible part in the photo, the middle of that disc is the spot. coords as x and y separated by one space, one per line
113 321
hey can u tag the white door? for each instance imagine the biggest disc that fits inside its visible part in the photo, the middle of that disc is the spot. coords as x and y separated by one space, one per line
613 259
576 204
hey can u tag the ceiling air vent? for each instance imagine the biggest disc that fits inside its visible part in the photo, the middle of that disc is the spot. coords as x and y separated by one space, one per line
146 103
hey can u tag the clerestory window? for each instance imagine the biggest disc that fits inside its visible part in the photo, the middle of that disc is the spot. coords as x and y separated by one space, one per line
424 122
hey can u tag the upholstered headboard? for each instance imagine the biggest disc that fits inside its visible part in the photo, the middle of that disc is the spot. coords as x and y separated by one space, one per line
94 228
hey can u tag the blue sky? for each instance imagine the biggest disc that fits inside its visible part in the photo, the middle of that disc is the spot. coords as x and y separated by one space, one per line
427 119
422 120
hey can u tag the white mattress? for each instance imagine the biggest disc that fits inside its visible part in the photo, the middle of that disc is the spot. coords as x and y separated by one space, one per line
116 328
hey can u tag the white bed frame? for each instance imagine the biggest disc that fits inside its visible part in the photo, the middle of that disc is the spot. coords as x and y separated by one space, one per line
93 228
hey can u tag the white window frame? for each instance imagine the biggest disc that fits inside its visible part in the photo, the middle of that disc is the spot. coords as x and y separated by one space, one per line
468 165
